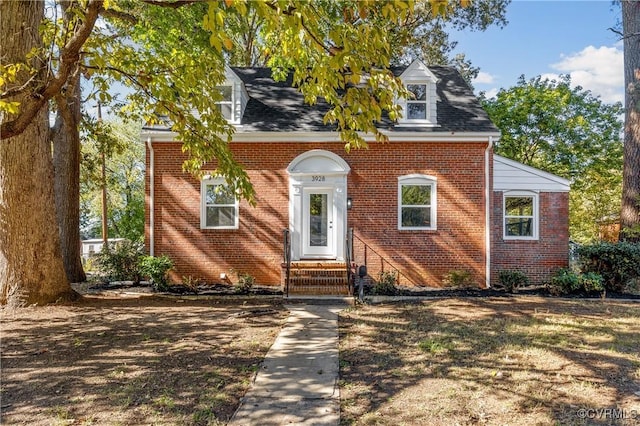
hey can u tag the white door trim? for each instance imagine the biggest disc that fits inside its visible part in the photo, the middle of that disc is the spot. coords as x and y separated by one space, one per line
323 171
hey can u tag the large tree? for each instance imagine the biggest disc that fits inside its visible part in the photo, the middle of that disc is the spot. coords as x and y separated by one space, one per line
329 47
31 267
630 212
569 132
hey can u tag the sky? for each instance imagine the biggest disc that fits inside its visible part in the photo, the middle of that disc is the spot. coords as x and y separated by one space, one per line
549 38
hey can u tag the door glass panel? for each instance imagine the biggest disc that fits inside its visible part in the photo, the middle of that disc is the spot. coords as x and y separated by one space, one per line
318 218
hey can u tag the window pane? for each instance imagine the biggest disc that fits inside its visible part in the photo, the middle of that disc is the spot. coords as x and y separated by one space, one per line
416 195
225 91
416 217
518 206
217 194
416 111
221 216
318 217
519 227
418 90
225 109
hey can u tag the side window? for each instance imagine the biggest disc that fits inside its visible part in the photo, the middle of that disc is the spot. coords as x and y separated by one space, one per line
417 202
219 207
226 104
520 216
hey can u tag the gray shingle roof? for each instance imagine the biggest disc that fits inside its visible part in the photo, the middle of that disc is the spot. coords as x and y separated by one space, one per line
276 106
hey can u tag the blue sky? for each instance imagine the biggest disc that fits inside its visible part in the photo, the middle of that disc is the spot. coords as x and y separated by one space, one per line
550 38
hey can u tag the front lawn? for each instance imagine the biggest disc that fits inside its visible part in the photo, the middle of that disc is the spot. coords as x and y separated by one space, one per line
495 361
132 362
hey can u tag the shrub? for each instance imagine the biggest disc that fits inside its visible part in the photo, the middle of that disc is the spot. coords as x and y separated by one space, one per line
512 281
120 262
386 284
245 283
157 269
191 283
567 281
617 263
457 278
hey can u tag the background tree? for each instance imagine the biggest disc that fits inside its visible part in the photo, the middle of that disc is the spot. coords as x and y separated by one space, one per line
630 212
125 180
569 132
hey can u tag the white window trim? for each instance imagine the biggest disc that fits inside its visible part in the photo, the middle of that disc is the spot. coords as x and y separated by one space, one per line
207 180
419 179
231 103
536 214
428 120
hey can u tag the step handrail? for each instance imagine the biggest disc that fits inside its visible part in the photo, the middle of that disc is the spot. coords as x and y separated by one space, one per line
286 236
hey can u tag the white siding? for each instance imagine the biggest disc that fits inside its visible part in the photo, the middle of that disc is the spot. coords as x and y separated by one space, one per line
509 175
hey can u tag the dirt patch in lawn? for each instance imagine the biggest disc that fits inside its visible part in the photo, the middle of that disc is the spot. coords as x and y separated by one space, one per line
147 360
495 361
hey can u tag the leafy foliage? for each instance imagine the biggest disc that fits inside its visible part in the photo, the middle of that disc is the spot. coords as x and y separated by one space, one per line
617 263
125 179
567 281
120 262
512 281
245 283
157 269
566 131
458 278
386 284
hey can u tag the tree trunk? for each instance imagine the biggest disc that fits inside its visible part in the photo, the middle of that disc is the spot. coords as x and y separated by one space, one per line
66 163
630 213
31 268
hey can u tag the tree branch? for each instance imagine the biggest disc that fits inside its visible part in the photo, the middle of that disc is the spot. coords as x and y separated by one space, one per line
69 58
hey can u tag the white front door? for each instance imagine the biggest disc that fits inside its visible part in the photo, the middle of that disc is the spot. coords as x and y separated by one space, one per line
319 232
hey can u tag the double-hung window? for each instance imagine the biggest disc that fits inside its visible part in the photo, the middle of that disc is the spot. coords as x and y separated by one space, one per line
219 206
226 103
417 203
417 104
521 216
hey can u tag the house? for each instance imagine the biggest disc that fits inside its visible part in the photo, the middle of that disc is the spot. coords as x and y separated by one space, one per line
433 200
93 246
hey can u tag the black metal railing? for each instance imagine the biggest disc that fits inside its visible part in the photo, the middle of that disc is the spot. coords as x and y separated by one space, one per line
348 257
367 251
286 237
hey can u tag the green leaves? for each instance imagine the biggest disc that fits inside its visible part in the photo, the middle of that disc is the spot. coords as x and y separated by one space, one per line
569 132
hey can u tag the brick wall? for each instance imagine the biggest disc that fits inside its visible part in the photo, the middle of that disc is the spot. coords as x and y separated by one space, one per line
422 257
538 259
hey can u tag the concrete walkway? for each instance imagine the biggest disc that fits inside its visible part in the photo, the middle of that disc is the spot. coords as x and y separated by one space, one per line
297 382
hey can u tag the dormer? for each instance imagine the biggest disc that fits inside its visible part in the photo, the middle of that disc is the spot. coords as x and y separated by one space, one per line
234 97
420 108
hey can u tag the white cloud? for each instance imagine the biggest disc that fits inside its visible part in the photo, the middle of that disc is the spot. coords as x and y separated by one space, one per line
598 69
483 78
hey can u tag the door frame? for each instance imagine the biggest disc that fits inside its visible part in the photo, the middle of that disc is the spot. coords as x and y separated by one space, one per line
323 171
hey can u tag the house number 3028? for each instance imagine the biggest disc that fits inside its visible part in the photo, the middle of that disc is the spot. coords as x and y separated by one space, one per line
317 178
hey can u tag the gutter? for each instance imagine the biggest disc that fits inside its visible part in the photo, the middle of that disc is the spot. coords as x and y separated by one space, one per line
488 195
151 197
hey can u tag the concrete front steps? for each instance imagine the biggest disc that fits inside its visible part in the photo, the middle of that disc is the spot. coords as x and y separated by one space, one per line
322 278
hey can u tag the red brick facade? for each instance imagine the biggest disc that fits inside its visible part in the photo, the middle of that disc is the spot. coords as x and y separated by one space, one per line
540 258
422 257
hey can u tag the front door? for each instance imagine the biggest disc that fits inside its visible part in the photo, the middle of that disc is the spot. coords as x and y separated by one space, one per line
318 233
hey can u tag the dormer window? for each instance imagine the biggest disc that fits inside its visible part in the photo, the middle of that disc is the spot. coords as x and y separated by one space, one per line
419 109
226 103
417 105
233 97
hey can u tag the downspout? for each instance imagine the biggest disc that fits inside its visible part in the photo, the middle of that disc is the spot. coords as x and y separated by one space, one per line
151 197
487 225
